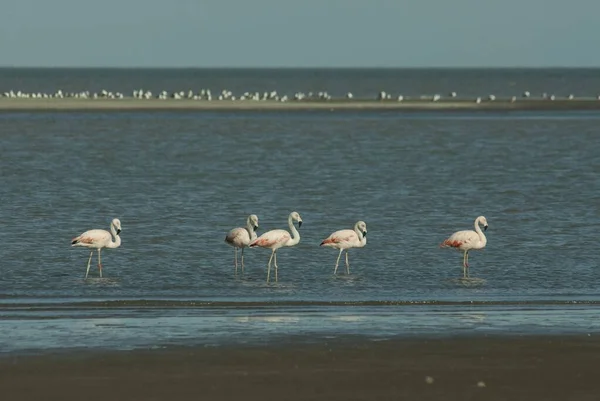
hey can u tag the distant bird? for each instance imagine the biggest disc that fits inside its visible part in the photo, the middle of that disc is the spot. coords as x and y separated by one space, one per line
346 239
98 239
276 239
467 240
241 237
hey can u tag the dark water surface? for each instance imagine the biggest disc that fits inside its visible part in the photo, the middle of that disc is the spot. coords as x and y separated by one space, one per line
179 181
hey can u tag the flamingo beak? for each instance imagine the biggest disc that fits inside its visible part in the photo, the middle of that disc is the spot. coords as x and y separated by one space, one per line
255 228
300 224
118 231
485 227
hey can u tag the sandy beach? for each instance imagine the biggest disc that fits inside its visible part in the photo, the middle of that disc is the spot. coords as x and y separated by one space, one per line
481 368
130 104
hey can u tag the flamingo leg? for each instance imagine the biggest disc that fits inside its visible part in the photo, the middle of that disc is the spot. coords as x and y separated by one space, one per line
467 263
347 263
337 262
99 263
235 260
89 262
242 260
269 266
275 260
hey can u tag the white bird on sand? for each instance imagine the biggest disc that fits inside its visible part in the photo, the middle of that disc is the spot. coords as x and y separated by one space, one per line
467 240
241 237
346 239
98 239
276 239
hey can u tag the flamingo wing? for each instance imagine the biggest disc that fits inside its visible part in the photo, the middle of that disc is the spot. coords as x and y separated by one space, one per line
93 238
340 237
461 239
238 237
272 238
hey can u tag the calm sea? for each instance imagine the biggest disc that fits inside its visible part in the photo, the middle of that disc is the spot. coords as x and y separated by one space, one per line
180 180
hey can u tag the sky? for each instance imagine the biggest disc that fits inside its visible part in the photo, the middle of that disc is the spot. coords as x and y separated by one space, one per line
300 33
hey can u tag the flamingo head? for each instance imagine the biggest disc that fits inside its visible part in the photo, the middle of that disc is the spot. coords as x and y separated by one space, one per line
483 220
362 227
253 219
296 217
116 223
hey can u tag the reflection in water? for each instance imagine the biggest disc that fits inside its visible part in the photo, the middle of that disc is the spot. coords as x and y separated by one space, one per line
469 281
102 281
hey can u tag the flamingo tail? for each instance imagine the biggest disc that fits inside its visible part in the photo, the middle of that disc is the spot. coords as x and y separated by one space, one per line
326 241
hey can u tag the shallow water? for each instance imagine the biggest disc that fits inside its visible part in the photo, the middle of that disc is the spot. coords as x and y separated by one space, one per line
179 181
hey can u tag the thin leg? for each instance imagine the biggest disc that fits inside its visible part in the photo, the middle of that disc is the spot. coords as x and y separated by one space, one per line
347 263
465 264
235 260
337 262
242 260
88 266
99 263
275 260
269 266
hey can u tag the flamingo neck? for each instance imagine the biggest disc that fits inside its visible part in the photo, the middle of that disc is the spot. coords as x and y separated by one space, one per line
117 242
295 234
482 237
250 229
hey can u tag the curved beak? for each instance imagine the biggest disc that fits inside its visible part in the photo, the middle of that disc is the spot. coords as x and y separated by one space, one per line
255 228
485 227
364 233
300 224
118 231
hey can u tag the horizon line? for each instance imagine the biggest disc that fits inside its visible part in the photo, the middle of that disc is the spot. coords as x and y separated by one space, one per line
304 67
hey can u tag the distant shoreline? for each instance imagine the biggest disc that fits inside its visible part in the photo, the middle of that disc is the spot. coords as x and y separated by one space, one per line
130 104
292 67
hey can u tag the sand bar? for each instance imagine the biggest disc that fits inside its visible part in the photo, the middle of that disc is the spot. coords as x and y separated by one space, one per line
131 104
531 368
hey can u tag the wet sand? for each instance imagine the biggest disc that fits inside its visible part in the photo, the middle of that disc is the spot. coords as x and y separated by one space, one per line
130 104
482 368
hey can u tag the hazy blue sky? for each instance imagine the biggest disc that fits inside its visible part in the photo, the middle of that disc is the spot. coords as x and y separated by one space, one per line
249 33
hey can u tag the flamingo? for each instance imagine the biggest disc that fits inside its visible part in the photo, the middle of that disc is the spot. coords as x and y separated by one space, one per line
346 239
276 239
241 237
467 240
98 239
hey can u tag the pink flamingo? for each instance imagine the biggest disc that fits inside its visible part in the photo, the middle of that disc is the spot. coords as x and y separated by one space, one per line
241 237
467 240
276 239
98 239
346 239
